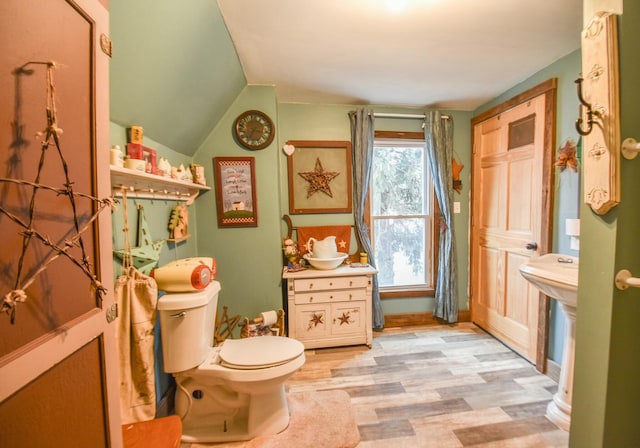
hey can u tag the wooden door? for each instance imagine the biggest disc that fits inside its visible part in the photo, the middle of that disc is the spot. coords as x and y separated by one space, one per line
510 223
58 359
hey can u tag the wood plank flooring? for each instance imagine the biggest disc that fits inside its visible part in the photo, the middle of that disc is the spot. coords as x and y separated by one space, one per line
437 386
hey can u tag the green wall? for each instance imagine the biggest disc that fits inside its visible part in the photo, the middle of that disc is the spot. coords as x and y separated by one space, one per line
174 69
606 398
249 258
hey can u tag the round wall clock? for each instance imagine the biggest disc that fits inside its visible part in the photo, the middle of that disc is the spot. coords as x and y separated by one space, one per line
254 129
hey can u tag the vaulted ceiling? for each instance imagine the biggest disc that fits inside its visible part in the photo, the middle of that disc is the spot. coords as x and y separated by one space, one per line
178 66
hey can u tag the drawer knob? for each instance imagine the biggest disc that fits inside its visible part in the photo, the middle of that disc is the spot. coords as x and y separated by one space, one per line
310 285
350 296
330 283
331 297
310 299
351 283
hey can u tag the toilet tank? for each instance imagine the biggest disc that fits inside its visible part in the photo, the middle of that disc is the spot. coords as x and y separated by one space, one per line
187 323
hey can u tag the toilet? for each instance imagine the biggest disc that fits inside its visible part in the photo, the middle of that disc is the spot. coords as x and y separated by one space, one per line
231 392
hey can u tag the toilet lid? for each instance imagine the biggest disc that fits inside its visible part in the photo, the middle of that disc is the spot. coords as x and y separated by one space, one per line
259 352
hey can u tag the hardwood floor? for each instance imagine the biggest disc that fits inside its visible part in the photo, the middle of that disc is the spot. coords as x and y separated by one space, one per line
437 386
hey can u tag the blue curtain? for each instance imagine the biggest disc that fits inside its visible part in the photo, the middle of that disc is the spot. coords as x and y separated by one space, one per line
438 135
362 135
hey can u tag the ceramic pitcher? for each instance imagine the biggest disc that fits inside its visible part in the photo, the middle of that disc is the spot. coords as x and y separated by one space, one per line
323 249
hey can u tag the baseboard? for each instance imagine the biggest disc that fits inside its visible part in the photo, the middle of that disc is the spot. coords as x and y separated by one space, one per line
553 370
412 319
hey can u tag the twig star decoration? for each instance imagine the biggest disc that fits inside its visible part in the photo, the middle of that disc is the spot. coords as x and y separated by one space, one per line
319 180
32 234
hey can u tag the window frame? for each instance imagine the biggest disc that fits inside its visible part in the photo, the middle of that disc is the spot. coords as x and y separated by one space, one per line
407 291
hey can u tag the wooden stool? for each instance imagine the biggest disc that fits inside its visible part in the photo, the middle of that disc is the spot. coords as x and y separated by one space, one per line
164 432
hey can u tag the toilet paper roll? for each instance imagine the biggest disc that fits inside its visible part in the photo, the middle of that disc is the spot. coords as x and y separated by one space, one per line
269 318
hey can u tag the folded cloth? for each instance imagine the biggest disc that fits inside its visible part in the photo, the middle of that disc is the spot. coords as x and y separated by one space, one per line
342 234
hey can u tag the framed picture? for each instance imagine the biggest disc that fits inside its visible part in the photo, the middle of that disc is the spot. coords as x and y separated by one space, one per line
235 179
319 177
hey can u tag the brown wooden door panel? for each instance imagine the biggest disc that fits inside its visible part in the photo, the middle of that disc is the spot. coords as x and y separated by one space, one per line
58 359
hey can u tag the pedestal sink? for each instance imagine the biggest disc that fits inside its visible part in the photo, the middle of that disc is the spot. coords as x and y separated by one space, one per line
556 275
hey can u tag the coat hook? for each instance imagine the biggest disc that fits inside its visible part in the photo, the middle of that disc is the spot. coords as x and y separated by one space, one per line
590 111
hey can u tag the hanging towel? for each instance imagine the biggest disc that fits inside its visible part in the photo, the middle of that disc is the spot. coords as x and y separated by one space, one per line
342 234
137 296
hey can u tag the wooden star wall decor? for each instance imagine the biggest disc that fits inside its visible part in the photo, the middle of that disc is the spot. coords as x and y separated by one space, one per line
319 179
323 167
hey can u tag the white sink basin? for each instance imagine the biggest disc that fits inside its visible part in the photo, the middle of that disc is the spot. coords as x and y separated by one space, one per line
326 263
556 275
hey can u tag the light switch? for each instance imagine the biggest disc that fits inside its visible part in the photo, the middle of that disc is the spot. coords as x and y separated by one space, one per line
456 207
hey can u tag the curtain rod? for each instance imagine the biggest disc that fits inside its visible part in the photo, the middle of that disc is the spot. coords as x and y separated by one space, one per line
419 116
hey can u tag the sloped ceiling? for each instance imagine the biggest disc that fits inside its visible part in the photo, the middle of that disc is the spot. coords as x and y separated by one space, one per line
174 69
178 66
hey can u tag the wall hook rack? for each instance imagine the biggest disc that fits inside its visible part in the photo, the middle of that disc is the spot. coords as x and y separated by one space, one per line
590 111
150 186
630 148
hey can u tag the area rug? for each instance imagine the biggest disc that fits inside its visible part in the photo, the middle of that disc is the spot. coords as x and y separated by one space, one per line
322 419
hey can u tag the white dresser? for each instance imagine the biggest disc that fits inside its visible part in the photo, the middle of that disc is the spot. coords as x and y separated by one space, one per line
330 308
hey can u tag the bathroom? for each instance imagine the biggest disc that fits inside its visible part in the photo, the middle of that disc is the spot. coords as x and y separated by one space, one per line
257 252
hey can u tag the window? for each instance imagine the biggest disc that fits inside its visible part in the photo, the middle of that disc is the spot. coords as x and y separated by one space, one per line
402 216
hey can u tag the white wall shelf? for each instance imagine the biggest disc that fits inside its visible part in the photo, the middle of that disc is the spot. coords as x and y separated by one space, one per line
151 186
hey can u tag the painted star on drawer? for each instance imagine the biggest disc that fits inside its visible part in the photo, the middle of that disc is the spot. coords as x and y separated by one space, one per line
345 318
316 319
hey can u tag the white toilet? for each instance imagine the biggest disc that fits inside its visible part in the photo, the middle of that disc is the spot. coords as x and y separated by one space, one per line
231 392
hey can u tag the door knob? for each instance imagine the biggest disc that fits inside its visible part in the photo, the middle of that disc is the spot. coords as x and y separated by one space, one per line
532 246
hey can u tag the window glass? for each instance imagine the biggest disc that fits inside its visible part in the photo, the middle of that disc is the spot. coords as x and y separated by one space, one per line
402 215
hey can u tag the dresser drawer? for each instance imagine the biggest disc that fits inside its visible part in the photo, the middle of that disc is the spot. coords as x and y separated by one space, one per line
319 284
343 295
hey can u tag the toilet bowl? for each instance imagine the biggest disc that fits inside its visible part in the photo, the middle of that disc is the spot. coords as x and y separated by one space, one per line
231 392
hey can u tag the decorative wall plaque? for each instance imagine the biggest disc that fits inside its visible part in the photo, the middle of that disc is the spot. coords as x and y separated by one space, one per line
600 98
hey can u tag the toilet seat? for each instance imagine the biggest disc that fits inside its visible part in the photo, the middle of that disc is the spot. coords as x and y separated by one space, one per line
259 352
